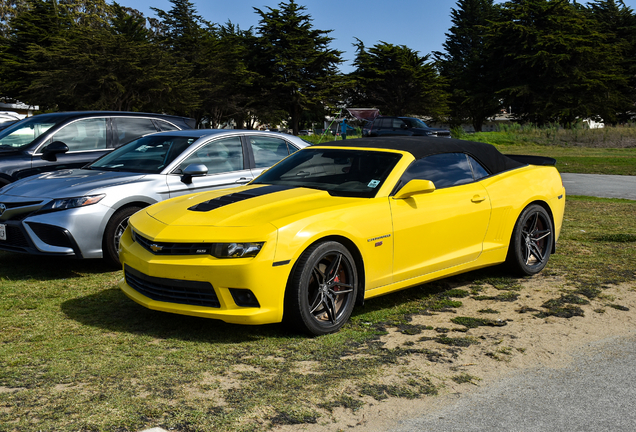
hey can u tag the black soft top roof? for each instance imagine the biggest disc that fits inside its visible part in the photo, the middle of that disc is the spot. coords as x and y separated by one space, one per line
422 146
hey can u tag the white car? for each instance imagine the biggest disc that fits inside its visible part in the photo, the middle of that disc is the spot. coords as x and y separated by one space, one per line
83 212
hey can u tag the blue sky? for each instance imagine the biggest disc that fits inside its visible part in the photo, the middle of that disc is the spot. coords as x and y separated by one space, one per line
419 24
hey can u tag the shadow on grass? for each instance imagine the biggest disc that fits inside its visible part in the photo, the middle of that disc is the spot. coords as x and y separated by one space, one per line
432 288
111 310
17 266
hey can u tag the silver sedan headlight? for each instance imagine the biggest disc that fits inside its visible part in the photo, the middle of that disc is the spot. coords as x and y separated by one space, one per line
69 203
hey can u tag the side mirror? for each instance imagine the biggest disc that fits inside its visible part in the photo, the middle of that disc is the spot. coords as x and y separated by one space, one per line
51 151
404 126
193 170
415 187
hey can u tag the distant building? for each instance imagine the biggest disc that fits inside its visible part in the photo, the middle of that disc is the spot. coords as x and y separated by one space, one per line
18 107
492 124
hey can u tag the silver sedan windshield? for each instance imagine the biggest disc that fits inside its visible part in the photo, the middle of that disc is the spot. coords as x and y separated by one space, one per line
149 154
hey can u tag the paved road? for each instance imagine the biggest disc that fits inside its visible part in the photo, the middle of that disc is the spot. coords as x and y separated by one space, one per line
603 186
595 393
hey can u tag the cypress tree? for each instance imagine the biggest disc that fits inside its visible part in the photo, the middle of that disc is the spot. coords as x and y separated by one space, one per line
618 23
297 69
398 81
468 66
555 63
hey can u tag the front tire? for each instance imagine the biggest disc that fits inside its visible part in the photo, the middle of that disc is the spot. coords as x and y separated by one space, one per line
113 232
531 242
322 290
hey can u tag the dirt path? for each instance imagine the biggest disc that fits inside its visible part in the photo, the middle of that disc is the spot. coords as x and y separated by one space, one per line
519 337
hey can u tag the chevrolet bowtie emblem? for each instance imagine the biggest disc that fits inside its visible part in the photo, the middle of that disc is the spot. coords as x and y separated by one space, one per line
156 247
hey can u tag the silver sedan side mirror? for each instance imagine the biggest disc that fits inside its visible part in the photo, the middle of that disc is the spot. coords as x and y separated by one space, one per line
193 170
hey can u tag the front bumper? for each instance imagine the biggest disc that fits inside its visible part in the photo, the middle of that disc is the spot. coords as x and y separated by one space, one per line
75 232
205 286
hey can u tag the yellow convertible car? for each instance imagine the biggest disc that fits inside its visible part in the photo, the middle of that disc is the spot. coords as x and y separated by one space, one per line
335 224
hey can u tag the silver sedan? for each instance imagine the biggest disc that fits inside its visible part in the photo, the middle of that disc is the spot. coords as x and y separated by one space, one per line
83 212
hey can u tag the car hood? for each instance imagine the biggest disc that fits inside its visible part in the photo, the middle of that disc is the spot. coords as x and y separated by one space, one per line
244 206
68 183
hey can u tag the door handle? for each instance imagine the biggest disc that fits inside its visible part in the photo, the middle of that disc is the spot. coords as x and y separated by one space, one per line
243 180
478 198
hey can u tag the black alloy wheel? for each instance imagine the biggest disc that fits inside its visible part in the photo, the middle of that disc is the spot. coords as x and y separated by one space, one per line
322 290
531 243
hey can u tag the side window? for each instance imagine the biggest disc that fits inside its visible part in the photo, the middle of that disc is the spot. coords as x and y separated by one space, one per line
82 135
268 150
220 156
127 129
397 123
444 170
478 170
165 126
381 123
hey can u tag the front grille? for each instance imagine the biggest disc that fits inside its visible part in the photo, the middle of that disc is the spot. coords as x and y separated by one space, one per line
17 211
20 217
172 290
163 248
15 238
12 205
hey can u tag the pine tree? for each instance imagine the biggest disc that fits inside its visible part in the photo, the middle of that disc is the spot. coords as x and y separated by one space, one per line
618 23
36 25
297 69
185 36
555 63
103 61
233 97
468 66
398 81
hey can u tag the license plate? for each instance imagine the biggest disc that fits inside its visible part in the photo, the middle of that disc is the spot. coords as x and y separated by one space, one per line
3 232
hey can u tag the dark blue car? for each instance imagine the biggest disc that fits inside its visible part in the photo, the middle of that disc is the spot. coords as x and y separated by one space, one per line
55 141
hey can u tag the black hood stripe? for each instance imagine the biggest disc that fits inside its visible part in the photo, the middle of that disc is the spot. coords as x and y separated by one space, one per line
224 200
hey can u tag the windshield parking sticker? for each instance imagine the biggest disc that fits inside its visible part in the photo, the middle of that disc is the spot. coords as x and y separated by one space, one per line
373 183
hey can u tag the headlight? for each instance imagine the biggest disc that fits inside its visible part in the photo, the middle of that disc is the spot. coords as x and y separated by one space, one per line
235 250
69 203
217 250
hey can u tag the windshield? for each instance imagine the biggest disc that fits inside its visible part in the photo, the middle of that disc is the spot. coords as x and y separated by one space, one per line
26 131
149 154
351 173
415 123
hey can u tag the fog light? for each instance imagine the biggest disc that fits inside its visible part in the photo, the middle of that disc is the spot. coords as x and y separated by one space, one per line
244 298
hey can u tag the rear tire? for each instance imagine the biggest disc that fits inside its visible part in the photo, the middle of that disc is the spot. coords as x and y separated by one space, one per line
322 290
113 232
531 242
